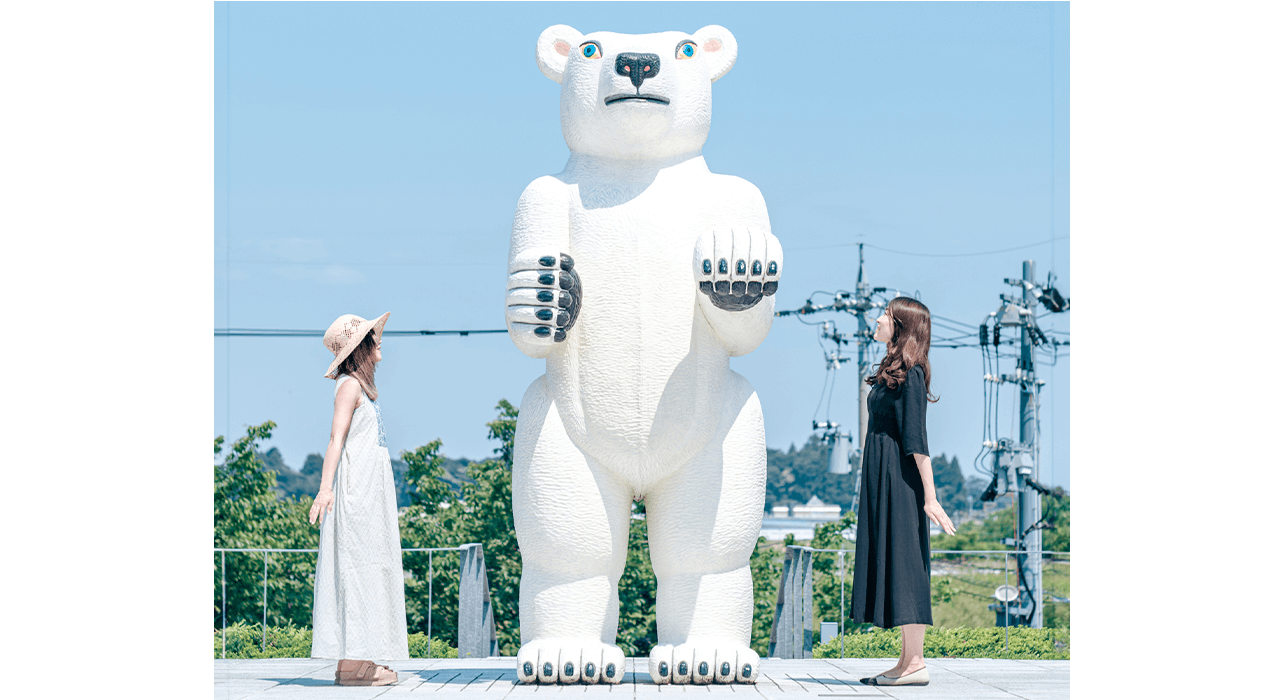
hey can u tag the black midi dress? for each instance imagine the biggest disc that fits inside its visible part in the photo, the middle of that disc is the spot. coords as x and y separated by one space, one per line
891 561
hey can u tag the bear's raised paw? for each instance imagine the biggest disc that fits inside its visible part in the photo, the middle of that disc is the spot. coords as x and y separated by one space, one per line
544 296
737 267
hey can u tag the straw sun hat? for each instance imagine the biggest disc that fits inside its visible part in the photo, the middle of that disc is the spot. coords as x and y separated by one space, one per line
346 333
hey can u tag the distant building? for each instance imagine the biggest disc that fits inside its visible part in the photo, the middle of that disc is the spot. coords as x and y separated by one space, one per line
798 521
815 509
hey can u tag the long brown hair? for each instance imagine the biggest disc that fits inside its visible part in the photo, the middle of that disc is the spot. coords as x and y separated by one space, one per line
360 365
909 345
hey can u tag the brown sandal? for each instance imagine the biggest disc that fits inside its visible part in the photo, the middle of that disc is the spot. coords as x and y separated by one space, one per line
363 673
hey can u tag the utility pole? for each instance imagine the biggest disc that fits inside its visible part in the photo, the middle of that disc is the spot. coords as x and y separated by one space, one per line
862 302
1017 465
858 304
1029 498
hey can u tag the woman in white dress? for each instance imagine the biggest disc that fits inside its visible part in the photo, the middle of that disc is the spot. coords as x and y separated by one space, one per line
358 615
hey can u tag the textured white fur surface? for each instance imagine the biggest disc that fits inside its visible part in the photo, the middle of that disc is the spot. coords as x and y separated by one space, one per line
638 400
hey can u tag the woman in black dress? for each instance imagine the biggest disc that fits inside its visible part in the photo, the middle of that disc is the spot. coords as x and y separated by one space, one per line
891 563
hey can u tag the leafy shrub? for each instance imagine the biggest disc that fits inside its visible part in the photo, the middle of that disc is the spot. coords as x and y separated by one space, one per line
244 641
440 649
956 642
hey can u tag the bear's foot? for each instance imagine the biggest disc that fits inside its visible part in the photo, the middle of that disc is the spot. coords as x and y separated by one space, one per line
707 661
570 661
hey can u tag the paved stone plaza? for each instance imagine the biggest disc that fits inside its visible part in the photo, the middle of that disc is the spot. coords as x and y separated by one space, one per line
494 678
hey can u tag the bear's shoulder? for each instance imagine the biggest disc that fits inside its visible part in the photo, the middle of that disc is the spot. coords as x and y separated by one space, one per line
545 186
735 191
736 186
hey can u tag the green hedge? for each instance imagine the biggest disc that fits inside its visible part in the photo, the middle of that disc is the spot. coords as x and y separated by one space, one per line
291 642
955 642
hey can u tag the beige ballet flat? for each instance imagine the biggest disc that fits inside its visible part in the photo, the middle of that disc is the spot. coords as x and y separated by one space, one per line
920 677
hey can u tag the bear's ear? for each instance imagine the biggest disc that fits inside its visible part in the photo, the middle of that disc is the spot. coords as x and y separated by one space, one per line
718 47
553 50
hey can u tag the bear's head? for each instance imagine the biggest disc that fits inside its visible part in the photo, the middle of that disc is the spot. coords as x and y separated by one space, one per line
635 96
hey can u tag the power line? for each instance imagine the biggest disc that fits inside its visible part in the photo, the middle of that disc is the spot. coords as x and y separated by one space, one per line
938 255
286 333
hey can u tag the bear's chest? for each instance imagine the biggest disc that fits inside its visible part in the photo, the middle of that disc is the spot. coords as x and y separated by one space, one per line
640 227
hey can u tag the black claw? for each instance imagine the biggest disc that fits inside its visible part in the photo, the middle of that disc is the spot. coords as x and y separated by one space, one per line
589 670
742 267
609 671
753 288
722 287
559 335
547 279
706 266
566 262
756 268
544 314
566 299
662 669
746 670
773 267
528 668
770 288
546 261
562 319
545 296
739 288
725 668
683 668
548 669
542 331
724 266
706 287
566 281
568 668
702 667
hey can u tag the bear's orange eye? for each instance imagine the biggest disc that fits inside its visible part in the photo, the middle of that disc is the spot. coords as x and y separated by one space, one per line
590 50
686 51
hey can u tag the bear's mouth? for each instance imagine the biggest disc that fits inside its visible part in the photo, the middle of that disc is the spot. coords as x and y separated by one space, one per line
611 99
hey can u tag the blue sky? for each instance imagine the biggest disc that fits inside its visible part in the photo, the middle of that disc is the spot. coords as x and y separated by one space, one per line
369 157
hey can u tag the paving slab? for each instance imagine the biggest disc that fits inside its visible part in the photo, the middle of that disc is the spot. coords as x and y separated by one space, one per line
780 679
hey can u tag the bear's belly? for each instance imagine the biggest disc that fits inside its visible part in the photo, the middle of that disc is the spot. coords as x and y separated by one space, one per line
641 382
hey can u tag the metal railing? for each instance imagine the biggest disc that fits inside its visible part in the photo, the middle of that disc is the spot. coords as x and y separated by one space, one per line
791 636
477 632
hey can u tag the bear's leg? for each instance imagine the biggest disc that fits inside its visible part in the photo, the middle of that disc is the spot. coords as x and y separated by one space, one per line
571 518
704 521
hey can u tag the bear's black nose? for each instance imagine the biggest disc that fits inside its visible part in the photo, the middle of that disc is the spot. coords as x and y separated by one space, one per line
637 66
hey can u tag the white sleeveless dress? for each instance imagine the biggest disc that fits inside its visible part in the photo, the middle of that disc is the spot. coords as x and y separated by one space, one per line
359 598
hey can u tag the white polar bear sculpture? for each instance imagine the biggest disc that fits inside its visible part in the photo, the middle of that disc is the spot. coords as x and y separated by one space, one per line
637 273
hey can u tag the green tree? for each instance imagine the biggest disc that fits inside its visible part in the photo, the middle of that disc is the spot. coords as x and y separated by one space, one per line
795 476
949 485
766 573
248 514
437 517
1055 510
637 591
431 580
827 578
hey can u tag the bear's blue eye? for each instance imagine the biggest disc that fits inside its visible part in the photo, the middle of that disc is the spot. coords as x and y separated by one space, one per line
591 50
686 51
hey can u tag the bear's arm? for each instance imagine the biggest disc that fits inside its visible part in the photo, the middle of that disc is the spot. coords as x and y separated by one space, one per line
541 224
741 331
